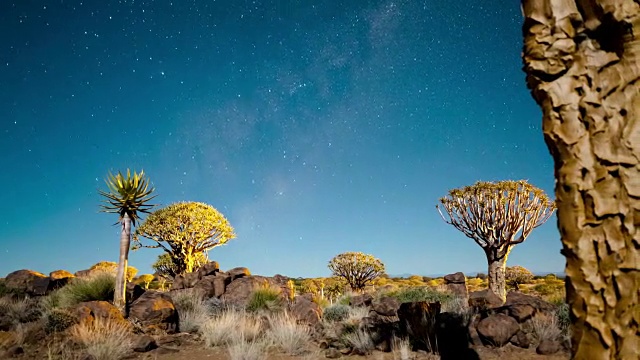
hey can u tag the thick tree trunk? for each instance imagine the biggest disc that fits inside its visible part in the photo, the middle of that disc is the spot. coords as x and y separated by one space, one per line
496 277
121 281
582 60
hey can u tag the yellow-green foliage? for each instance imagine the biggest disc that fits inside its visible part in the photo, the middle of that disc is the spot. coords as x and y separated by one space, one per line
265 298
518 275
145 280
112 267
127 195
356 268
184 230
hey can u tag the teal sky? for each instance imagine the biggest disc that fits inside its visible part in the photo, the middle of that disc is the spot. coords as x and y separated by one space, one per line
314 127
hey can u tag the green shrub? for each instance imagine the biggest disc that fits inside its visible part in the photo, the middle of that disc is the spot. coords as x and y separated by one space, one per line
562 314
94 288
415 293
548 289
345 299
57 320
337 312
267 298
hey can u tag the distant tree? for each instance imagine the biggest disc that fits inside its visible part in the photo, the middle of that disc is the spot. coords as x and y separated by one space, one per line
166 268
497 216
516 275
126 196
146 279
334 287
185 231
481 276
356 268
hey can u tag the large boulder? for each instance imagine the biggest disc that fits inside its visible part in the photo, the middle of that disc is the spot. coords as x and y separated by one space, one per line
155 311
304 309
418 321
496 330
27 281
483 300
213 285
238 292
238 272
87 312
457 284
188 281
361 300
59 278
386 306
515 299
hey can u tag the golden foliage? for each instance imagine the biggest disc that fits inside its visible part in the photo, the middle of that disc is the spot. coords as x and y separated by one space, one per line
356 268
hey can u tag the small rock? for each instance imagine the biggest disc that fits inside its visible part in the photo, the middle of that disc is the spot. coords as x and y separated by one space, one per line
521 340
15 350
323 345
548 347
346 350
332 353
455 278
144 343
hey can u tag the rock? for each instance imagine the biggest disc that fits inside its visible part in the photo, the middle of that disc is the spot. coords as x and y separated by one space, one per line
496 330
134 291
237 273
59 278
323 344
484 299
456 283
521 312
386 306
14 351
210 268
520 339
155 310
305 310
185 281
332 353
540 306
212 285
418 321
144 343
27 281
237 293
453 336
548 347
361 300
88 311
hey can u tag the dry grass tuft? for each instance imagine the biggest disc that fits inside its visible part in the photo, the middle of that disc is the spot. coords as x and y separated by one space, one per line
401 349
287 335
229 327
192 309
104 338
545 327
247 350
360 340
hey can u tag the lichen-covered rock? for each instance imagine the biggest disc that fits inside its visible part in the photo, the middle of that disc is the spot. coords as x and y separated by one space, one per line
155 310
27 281
305 310
238 272
88 311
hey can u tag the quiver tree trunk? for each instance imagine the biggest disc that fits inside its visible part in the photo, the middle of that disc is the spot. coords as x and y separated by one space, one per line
121 283
582 60
496 276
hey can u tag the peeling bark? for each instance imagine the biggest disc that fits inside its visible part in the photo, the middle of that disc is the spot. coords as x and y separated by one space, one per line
496 275
583 65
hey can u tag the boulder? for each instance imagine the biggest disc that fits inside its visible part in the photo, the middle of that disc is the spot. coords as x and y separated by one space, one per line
521 312
361 300
456 283
418 321
134 291
155 310
212 285
540 306
496 330
454 338
185 281
210 268
88 311
305 310
238 272
548 347
59 278
484 299
386 306
521 340
144 343
27 281
237 293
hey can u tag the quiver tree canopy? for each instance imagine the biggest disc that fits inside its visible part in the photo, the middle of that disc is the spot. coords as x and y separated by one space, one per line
356 268
496 215
185 230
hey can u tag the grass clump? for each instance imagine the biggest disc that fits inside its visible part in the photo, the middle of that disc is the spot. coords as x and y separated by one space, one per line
336 312
265 299
360 341
420 293
247 350
545 327
97 287
103 338
287 335
56 320
19 311
192 309
229 327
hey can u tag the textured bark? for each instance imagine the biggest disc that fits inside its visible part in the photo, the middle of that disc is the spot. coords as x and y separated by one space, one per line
496 277
121 281
583 64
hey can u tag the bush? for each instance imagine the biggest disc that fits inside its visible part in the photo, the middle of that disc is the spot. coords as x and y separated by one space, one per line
19 311
103 338
266 298
336 312
56 320
563 317
98 287
413 294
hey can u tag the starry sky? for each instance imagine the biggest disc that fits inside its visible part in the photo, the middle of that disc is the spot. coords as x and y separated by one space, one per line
315 127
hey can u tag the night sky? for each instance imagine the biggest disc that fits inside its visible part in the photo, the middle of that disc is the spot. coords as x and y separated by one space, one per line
315 127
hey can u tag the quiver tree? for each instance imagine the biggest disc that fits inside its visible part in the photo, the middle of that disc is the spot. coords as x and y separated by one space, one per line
126 196
165 267
516 275
185 231
497 216
356 268
582 60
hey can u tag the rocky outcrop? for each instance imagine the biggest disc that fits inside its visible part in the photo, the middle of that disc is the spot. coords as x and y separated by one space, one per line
418 321
483 300
238 292
87 313
457 284
304 309
155 311
27 281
